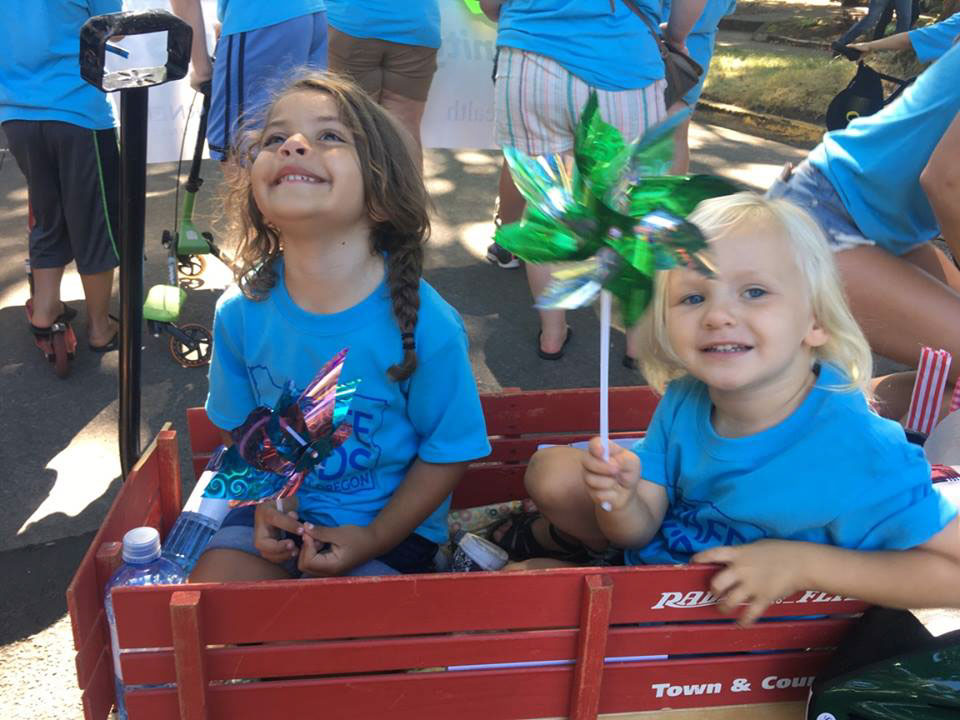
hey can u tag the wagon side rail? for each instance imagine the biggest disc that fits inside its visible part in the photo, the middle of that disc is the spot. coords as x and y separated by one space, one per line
151 496
573 642
518 422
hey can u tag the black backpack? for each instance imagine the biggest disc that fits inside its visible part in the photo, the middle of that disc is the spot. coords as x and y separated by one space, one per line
862 96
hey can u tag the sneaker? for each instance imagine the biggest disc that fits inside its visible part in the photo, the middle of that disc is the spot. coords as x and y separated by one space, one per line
502 257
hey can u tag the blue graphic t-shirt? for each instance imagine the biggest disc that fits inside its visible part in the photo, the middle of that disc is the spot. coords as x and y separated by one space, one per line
874 163
413 22
833 473
238 16
435 415
40 71
603 44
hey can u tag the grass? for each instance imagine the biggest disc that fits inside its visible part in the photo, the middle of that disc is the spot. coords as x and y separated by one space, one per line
792 85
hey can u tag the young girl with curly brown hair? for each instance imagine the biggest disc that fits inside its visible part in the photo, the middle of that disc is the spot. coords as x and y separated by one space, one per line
331 213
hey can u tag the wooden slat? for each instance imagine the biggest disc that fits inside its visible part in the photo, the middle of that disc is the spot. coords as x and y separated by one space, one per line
405 605
188 653
561 411
98 696
591 647
133 504
510 693
706 682
168 456
488 485
328 657
519 449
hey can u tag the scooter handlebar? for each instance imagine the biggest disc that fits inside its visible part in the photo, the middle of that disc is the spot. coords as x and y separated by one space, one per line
99 29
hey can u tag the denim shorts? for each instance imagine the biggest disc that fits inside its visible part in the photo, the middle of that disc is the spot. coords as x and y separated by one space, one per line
809 189
414 555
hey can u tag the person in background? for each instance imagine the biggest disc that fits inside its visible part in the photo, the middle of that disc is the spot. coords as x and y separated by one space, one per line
260 43
700 44
551 55
875 11
880 206
390 50
61 132
928 43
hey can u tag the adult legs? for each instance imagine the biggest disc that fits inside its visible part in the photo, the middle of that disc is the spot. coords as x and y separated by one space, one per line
902 304
408 113
874 12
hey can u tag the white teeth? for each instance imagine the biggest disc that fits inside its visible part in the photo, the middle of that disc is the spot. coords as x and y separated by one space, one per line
298 178
726 348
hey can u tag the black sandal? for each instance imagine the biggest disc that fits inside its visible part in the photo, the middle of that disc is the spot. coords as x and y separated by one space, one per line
521 544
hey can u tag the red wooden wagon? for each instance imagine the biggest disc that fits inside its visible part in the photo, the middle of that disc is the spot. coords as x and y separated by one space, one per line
567 642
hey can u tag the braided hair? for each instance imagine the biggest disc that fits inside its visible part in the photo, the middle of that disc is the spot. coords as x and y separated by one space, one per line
396 201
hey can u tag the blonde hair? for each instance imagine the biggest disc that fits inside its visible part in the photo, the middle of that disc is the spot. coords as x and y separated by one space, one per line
396 201
846 347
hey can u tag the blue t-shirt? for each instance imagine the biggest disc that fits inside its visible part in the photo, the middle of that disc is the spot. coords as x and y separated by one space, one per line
40 70
603 44
833 473
874 163
413 22
932 41
435 415
238 16
702 38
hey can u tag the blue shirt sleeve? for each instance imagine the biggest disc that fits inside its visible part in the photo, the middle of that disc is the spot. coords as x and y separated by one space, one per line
932 41
443 405
230 396
904 510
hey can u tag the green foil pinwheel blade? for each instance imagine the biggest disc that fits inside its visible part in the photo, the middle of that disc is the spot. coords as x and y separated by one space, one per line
617 204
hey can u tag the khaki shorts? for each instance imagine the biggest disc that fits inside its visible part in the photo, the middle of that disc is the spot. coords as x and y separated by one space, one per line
538 103
378 65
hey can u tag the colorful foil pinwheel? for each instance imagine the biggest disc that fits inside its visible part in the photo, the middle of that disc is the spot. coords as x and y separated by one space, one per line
615 207
274 450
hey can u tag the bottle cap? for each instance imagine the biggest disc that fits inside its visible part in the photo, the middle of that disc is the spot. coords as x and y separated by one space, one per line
141 545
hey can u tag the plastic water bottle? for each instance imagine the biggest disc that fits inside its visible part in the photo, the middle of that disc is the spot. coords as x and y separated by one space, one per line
475 553
200 519
142 565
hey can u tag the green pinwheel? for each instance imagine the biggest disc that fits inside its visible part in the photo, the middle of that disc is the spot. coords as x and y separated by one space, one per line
615 211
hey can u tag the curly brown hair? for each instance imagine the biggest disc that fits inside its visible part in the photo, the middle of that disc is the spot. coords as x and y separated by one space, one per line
395 198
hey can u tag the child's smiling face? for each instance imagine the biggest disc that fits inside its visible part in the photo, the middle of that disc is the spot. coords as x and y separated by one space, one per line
307 166
751 327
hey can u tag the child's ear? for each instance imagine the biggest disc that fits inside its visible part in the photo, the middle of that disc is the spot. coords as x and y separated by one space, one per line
816 336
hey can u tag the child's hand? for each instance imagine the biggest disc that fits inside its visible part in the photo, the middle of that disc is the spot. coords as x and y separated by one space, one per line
333 551
757 574
610 483
269 525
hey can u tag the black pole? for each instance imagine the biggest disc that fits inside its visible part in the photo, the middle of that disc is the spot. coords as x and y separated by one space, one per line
133 181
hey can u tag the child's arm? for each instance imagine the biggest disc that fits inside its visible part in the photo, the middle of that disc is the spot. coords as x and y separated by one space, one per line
636 506
423 489
759 573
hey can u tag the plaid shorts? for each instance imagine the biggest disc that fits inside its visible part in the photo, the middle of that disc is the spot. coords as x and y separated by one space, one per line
538 103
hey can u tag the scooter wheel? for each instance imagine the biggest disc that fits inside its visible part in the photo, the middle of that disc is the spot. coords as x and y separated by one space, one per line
191 265
61 358
197 352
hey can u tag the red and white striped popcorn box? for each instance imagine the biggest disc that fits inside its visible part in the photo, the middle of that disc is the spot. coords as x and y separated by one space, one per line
955 398
928 390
